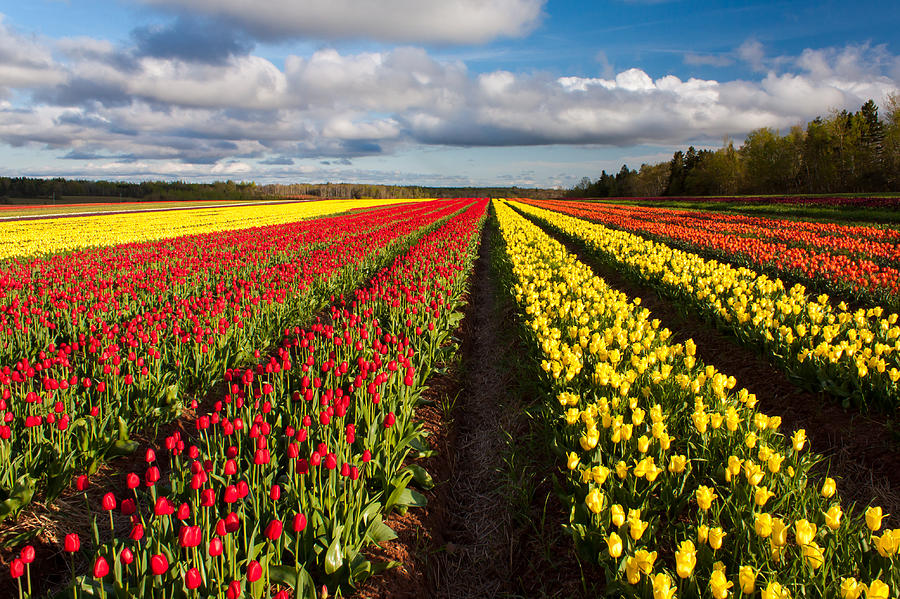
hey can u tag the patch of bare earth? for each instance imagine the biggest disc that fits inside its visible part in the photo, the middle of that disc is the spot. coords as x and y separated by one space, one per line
862 452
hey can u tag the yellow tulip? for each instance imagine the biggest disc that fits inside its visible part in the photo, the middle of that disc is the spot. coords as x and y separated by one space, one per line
828 488
594 500
614 544
851 589
833 517
799 439
747 578
763 525
804 532
705 497
632 572
685 559
645 560
779 532
775 591
813 554
662 587
715 537
878 590
719 585
762 495
873 518
636 528
618 515
677 464
572 461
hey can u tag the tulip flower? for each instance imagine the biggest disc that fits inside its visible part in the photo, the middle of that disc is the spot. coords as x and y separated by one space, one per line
273 530
192 578
873 518
72 543
159 565
101 567
17 568
254 571
685 559
614 544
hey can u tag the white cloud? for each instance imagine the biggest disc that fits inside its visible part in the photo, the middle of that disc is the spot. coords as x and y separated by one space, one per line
428 21
752 52
104 104
25 61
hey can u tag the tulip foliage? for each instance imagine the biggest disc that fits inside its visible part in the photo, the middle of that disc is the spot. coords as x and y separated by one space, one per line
677 484
99 343
854 355
289 475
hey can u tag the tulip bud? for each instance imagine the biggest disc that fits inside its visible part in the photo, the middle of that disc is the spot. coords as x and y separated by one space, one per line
27 554
72 543
215 547
234 590
133 480
299 522
159 565
126 556
109 502
81 482
254 571
192 578
273 530
101 567
275 493
137 532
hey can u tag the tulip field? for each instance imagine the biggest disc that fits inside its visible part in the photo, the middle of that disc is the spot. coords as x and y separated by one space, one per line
252 376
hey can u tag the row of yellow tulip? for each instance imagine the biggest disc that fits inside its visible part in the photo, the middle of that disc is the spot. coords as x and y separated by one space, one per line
854 355
678 485
53 235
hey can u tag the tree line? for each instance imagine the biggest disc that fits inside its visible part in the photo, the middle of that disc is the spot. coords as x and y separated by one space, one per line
29 190
845 152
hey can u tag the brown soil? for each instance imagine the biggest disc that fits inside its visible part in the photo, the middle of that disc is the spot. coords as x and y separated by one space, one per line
863 452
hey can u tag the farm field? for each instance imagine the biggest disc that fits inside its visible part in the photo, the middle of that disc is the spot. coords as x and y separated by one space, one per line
13 211
449 398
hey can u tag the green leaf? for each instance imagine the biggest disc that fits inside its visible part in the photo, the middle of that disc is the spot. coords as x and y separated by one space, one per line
379 532
334 559
411 498
121 447
421 476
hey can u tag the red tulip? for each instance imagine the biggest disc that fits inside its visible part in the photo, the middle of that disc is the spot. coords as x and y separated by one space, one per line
299 522
109 502
126 556
137 532
133 480
159 565
192 578
81 482
101 568
27 554
72 543
215 547
17 568
234 590
275 493
128 507
273 530
190 536
254 571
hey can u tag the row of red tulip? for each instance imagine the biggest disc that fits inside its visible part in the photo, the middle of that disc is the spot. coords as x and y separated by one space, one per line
287 477
151 323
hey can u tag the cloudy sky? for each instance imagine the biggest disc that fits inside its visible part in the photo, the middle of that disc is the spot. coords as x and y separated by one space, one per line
446 92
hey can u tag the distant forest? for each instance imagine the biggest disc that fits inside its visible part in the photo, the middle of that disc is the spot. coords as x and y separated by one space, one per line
22 190
847 152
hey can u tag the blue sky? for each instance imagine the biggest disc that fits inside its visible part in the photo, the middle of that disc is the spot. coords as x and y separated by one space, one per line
456 92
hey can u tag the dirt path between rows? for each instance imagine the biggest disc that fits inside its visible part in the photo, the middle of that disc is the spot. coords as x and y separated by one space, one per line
862 451
493 527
